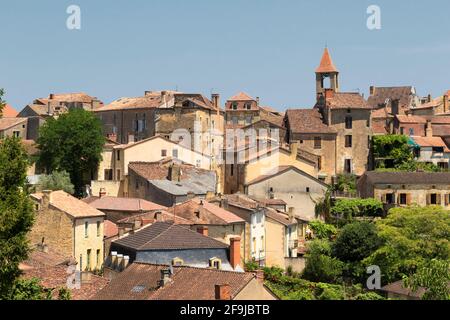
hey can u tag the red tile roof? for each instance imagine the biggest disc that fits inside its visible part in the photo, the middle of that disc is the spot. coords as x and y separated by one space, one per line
6 123
307 121
410 119
111 229
431 142
124 204
150 217
241 96
343 100
140 282
383 94
9 112
326 64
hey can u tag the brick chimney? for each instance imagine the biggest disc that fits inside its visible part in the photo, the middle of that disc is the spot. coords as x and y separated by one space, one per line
203 230
165 277
372 90
223 292
291 214
46 198
395 107
51 96
329 93
429 129
102 193
175 173
235 252
215 98
429 98
158 216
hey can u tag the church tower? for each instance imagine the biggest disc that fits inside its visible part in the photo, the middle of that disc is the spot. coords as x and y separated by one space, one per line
325 70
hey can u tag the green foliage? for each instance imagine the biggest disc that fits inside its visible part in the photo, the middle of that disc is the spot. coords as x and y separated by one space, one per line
30 289
64 294
392 147
345 183
56 181
320 266
347 209
322 230
412 166
74 143
323 207
369 296
410 237
16 213
434 277
251 266
2 102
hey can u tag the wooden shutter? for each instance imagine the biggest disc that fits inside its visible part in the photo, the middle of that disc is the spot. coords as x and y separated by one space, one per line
408 199
446 196
428 199
438 198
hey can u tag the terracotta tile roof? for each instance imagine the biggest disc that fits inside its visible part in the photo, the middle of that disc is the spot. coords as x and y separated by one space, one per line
168 236
41 110
269 202
124 204
150 217
383 94
140 282
9 112
149 101
307 121
280 217
72 97
70 205
270 117
410 119
208 213
441 119
6 123
412 178
430 142
110 229
344 100
326 64
241 96
159 170
40 259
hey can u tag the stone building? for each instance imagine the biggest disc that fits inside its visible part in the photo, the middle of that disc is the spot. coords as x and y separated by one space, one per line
13 127
406 188
241 110
337 129
69 227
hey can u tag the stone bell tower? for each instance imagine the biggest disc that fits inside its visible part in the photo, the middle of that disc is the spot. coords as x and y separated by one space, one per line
325 70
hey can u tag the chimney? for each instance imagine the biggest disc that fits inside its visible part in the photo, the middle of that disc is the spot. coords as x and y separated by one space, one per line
102 193
291 214
148 93
158 216
51 96
113 259
259 275
203 230
294 150
165 277
125 262
429 98
372 90
445 103
164 98
429 129
329 93
395 107
46 198
224 203
257 101
215 98
175 172
118 263
223 292
235 252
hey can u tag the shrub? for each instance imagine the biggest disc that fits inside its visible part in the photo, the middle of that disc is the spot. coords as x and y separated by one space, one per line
322 230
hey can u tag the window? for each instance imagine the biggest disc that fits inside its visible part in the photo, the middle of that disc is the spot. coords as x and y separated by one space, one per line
348 122
403 199
308 189
433 199
213 124
175 153
118 155
177 262
438 149
232 170
163 153
319 163
348 166
348 141
235 120
234 106
389 198
16 134
88 260
402 130
98 228
411 131
317 142
254 244
215 263
136 185
98 259
108 174
248 106
248 120
86 229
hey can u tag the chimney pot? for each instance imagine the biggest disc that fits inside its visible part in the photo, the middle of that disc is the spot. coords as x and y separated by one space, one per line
203 230
223 292
372 90
102 193
235 252
165 277
446 103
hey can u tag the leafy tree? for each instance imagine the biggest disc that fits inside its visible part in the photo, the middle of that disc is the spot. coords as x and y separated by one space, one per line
320 266
58 180
2 102
369 296
74 143
16 213
347 209
322 230
323 207
345 183
434 277
64 294
30 289
356 241
410 237
393 148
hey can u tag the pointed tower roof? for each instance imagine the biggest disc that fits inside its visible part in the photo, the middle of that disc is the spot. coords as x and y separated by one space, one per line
326 64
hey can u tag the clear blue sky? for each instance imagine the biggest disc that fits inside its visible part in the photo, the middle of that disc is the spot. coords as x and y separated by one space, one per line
265 48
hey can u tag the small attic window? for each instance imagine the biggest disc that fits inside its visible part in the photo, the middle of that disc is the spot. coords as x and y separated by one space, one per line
177 262
215 263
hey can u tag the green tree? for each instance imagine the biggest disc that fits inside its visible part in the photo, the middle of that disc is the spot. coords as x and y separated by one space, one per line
323 207
410 237
2 102
30 289
434 277
320 266
393 149
74 143
322 230
58 180
345 183
16 213
356 241
347 209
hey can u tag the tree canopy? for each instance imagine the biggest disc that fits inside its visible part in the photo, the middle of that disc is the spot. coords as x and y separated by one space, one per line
73 142
58 180
16 213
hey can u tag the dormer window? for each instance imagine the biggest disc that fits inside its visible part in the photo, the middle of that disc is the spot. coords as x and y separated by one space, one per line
234 106
248 106
215 263
177 262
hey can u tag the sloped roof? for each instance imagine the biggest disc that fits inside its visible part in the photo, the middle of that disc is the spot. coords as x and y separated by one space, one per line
430 142
413 178
150 217
326 64
307 121
410 119
111 229
343 100
280 217
241 96
9 112
382 94
280 170
149 101
124 204
72 97
168 236
140 282
6 123
70 205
